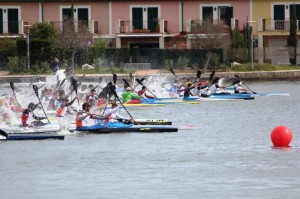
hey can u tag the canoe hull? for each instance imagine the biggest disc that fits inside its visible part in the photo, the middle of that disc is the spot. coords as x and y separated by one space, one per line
16 137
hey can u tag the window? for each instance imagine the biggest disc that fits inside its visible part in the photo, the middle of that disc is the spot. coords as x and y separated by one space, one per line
80 14
279 17
217 13
9 20
145 17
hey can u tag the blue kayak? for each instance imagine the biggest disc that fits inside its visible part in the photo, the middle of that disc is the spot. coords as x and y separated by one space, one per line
119 127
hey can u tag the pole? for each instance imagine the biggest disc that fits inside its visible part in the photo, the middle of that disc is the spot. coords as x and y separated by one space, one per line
28 50
251 46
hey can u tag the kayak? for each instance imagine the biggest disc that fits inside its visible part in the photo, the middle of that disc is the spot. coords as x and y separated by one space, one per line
118 127
47 128
231 96
261 93
153 122
31 137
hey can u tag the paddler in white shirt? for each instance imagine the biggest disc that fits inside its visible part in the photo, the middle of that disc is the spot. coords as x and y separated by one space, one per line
83 117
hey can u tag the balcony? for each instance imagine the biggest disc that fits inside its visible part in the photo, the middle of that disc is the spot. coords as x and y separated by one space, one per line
143 27
275 25
201 26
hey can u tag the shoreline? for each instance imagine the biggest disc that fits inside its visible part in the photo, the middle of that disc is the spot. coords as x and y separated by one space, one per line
250 76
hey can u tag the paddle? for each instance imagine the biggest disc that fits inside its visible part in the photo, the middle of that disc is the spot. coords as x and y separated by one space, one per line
141 83
36 90
238 77
3 133
13 89
62 82
233 83
198 75
115 78
131 77
127 84
211 76
75 86
173 72
110 86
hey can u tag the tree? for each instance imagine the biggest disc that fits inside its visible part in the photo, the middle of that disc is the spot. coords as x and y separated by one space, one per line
292 39
209 35
74 37
42 42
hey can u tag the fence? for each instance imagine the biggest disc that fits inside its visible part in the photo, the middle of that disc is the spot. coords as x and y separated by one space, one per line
137 66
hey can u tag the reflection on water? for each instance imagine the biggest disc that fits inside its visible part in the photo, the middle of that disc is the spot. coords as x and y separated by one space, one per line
228 155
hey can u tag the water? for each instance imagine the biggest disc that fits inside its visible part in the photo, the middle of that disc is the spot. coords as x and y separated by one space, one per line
229 155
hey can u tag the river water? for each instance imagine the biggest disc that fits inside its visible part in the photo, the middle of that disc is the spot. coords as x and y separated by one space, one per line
228 155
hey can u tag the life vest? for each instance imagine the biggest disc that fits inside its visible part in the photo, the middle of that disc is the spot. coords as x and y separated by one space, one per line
77 121
25 116
59 111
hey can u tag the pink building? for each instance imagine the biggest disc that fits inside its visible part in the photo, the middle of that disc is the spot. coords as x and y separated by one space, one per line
143 24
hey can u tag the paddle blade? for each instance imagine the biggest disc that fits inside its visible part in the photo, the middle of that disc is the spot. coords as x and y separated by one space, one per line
36 90
12 86
126 83
115 78
215 80
236 76
74 84
131 77
3 133
62 82
211 76
199 74
173 72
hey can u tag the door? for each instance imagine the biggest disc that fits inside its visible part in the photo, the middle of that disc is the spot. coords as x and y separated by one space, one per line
297 10
13 21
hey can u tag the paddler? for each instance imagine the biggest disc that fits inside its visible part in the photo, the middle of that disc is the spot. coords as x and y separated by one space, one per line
129 97
143 93
64 107
83 117
238 88
26 115
112 113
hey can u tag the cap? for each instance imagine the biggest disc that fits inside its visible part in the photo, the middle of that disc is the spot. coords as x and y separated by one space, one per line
128 89
174 84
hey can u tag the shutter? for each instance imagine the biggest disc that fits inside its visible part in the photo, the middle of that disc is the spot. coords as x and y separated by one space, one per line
13 21
1 21
152 18
137 18
229 15
207 13
83 15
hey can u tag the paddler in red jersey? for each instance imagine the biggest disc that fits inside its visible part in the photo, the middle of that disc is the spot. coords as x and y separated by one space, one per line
26 115
142 93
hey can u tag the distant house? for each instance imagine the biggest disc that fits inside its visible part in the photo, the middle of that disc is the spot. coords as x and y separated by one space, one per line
126 24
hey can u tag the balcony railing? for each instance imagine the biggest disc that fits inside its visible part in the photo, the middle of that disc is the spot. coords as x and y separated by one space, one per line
275 25
93 26
11 28
200 26
151 26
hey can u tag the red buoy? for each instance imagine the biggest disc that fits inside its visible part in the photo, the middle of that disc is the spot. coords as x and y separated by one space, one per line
281 136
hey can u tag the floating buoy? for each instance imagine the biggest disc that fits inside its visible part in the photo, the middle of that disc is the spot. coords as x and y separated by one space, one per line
281 136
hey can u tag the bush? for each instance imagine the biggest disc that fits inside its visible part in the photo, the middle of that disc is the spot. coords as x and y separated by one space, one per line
17 65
